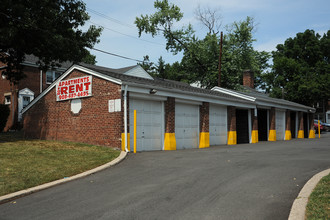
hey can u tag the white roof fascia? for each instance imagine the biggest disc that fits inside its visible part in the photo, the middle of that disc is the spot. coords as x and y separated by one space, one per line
74 67
232 93
192 96
147 96
280 106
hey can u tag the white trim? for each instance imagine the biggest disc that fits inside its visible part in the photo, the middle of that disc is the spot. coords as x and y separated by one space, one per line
65 74
258 102
281 106
232 93
187 102
199 97
146 96
163 126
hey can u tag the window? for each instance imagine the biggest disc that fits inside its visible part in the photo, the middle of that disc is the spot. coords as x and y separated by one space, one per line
7 99
51 75
26 101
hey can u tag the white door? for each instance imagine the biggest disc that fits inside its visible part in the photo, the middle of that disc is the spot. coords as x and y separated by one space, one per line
149 124
280 124
218 124
186 126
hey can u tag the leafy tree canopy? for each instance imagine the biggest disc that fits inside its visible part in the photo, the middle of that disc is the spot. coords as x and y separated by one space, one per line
48 29
200 62
301 68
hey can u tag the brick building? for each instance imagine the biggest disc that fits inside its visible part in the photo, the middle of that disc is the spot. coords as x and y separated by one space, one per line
96 105
20 95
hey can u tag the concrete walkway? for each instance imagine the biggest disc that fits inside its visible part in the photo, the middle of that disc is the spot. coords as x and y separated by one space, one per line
248 181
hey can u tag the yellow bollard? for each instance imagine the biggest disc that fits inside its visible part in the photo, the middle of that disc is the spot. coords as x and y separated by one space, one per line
319 128
134 131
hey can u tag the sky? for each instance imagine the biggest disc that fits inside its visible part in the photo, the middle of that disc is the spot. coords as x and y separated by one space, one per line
277 20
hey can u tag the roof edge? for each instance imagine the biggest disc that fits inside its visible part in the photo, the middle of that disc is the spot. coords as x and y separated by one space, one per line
66 73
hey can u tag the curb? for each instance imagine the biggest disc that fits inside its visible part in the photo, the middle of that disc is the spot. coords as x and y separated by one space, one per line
15 195
298 208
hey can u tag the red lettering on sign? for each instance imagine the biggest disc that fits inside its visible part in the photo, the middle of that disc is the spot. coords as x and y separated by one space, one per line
79 87
64 90
71 89
87 85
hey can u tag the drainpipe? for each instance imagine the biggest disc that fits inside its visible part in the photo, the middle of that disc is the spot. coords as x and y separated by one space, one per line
40 81
125 117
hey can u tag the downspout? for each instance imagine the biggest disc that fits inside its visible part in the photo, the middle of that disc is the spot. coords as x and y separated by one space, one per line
125 117
40 81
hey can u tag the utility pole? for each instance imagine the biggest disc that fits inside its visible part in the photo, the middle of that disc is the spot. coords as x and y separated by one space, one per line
220 55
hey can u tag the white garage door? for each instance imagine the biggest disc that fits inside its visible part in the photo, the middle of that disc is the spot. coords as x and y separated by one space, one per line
218 125
280 124
149 124
186 126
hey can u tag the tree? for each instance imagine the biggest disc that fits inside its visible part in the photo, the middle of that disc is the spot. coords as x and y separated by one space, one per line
48 29
210 18
301 68
200 56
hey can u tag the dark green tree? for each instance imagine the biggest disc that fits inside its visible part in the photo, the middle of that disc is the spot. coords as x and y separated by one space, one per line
301 68
48 29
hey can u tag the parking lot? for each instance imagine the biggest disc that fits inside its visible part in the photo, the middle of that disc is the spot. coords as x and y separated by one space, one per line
246 181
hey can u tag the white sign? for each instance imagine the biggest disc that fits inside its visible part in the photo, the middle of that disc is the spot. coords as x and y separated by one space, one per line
74 88
115 105
111 105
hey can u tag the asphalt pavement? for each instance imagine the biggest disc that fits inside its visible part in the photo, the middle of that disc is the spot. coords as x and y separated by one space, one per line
246 181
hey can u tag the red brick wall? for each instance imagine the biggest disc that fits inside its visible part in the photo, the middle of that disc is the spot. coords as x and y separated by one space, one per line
301 121
288 120
52 120
204 117
231 111
31 81
170 115
248 79
272 125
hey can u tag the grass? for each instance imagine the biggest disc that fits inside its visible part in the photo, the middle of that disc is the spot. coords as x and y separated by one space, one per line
318 206
28 163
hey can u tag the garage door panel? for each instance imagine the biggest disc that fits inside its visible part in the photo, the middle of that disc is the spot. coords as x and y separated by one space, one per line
149 126
280 125
218 124
186 125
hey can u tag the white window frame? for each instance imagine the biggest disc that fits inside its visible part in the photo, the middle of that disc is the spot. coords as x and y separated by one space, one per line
7 102
53 73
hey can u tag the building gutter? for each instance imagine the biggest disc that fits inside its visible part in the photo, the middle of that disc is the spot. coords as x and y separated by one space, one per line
125 117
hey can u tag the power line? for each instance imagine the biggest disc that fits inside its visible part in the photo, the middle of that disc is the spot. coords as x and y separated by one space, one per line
37 28
109 18
112 54
127 35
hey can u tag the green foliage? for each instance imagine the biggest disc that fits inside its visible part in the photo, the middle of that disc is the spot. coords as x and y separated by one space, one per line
47 29
4 113
200 62
301 67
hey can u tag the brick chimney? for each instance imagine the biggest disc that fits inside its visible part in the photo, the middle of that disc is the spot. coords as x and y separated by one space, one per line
248 78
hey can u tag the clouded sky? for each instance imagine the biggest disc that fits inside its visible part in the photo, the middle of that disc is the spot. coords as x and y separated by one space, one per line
276 21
